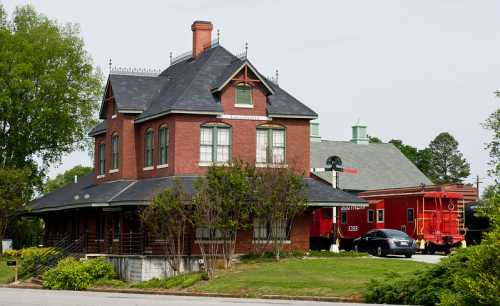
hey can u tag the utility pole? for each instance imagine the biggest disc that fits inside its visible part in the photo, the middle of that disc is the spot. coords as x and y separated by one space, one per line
477 187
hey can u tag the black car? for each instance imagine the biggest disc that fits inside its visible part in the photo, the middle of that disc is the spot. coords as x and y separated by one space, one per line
381 242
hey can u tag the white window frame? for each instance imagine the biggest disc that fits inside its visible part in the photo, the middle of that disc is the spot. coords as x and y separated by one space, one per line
269 145
378 214
214 144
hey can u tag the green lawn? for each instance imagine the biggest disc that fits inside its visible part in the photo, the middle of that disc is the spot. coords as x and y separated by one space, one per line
6 273
340 276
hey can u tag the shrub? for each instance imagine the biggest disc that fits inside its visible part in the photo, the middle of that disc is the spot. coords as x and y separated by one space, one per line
30 257
72 274
179 281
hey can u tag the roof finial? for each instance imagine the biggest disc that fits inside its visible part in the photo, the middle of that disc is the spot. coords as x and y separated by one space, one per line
276 76
170 58
110 64
246 49
218 36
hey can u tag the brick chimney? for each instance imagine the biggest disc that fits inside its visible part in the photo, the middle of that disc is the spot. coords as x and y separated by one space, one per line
202 36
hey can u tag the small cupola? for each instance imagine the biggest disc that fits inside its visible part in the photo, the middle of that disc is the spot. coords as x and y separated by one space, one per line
359 134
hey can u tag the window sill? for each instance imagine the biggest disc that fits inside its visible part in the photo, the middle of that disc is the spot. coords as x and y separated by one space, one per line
114 170
101 176
162 166
208 241
148 168
208 164
261 165
269 241
243 106
116 240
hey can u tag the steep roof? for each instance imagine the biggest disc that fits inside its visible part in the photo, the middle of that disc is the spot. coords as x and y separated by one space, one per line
379 165
188 87
98 129
86 193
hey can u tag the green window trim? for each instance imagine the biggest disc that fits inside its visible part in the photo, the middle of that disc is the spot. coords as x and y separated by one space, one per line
163 141
148 148
243 95
102 158
270 146
115 152
216 149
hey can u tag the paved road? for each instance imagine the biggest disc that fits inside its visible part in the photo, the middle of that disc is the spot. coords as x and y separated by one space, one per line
28 297
417 257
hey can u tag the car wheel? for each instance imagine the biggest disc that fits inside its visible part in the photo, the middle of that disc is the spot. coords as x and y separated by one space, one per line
408 255
356 249
380 252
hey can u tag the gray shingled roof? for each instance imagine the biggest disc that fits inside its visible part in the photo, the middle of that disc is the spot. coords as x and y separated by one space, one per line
133 92
188 86
98 129
86 193
379 165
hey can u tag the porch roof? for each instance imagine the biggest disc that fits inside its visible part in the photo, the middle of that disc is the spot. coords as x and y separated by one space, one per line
86 193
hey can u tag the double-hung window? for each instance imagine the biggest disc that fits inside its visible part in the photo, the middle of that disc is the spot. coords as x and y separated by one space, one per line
163 142
215 143
243 95
264 230
114 152
380 216
271 145
148 148
102 158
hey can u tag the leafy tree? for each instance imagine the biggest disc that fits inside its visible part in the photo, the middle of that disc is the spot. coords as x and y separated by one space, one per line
14 192
65 178
280 195
419 157
167 218
222 206
447 164
48 90
493 124
373 139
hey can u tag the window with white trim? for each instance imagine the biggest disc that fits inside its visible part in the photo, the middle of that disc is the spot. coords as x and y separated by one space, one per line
243 95
371 215
148 148
271 145
163 139
102 158
114 151
380 216
264 230
215 143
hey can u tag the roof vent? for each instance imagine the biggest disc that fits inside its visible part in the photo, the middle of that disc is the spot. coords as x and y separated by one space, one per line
359 134
314 131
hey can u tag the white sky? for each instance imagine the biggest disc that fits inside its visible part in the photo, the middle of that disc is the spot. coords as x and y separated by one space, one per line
409 70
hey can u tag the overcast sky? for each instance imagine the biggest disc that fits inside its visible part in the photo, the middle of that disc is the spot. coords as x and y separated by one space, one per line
407 69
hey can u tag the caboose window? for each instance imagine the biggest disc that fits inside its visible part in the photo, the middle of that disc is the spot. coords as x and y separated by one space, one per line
371 216
409 215
343 215
380 216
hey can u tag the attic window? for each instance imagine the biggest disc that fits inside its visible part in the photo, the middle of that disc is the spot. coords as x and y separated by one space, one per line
243 95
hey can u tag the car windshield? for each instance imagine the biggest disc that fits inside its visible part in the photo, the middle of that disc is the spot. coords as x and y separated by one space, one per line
396 234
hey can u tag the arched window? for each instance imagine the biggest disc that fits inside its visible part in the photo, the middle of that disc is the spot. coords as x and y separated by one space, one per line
243 95
163 144
102 158
215 143
115 155
271 144
148 148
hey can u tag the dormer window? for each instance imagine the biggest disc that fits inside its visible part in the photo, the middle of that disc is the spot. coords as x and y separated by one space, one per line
148 149
215 143
243 96
114 152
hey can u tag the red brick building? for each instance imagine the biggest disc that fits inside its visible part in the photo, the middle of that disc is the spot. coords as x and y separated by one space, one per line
208 107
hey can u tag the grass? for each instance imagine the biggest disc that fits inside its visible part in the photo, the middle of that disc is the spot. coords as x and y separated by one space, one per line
179 282
336 276
6 273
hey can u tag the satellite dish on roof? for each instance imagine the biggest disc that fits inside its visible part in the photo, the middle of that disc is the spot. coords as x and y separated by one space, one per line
334 163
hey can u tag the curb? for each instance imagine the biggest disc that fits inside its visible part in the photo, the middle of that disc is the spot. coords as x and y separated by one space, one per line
200 294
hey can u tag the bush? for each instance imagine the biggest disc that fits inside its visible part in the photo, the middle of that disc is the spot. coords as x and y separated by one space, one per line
179 281
72 274
30 257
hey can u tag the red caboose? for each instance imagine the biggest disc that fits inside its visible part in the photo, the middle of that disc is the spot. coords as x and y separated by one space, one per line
434 218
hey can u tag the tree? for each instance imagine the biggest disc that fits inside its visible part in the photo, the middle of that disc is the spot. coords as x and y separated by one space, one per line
280 195
167 218
447 163
65 178
49 91
493 124
222 208
419 157
373 139
14 192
